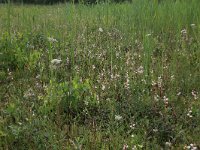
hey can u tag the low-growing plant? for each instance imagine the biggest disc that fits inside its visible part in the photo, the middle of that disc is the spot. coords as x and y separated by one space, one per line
72 100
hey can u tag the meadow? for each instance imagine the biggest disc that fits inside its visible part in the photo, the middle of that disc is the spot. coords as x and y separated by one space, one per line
108 76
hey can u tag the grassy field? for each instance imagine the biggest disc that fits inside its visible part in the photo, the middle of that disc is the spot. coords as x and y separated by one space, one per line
109 76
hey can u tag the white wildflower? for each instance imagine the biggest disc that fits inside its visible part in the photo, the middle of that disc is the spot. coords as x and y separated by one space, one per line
38 76
140 70
127 83
179 93
20 123
112 76
118 117
169 144
100 30
184 31
166 100
192 25
51 39
160 82
56 61
97 97
134 147
156 98
103 87
172 77
86 103
194 94
132 135
29 93
155 130
30 46
191 147
125 147
132 126
189 114
144 81
147 35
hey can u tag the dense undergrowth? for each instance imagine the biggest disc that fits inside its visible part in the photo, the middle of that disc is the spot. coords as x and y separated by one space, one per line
109 76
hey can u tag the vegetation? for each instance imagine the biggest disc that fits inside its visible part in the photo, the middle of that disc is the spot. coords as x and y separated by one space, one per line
60 1
109 76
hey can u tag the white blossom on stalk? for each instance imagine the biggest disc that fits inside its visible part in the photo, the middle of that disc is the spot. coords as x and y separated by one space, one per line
179 93
191 147
125 147
194 94
51 39
118 117
147 35
29 93
166 100
134 147
169 144
192 25
140 70
103 87
184 31
56 61
189 114
132 126
100 30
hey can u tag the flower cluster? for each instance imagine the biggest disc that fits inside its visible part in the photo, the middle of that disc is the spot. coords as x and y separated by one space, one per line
191 147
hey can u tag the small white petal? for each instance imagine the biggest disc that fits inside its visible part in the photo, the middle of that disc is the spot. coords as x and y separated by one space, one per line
147 35
100 30
56 61
118 117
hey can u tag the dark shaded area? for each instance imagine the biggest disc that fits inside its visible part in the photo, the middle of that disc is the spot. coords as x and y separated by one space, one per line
50 2
34 1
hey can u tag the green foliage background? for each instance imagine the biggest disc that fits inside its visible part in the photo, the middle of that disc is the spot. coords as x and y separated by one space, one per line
129 75
59 1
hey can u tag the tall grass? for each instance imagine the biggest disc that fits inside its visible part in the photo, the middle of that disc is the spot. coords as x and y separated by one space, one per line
129 75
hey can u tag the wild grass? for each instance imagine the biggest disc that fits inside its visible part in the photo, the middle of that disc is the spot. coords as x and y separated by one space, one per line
106 76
